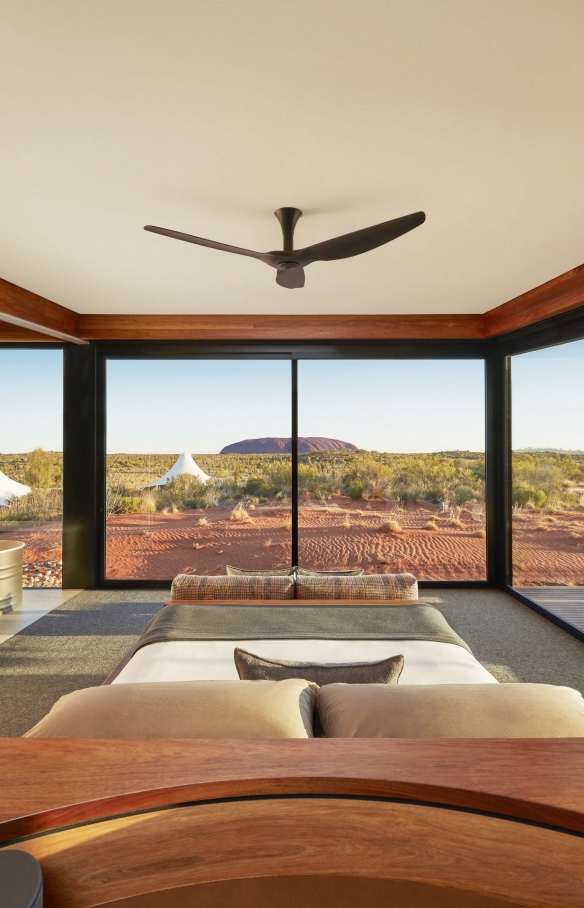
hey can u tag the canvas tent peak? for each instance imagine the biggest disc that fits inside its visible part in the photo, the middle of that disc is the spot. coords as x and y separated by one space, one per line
184 464
10 489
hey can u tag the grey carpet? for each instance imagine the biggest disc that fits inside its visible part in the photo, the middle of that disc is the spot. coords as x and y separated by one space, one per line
75 645
81 642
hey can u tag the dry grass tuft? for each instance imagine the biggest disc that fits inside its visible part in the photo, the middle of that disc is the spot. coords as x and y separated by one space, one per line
288 522
203 522
431 525
268 544
197 545
481 533
575 536
358 512
390 526
455 522
239 513
346 524
542 528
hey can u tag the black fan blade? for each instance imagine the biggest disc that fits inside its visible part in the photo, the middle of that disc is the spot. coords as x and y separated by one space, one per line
262 256
290 275
343 247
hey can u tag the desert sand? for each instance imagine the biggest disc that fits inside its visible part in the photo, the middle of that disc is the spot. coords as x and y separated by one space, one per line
340 535
548 548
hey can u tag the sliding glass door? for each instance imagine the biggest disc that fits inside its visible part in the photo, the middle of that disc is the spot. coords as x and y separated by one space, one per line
198 466
392 467
31 460
548 466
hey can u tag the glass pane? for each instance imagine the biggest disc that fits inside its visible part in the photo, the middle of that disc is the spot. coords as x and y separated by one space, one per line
548 466
392 465
31 460
198 470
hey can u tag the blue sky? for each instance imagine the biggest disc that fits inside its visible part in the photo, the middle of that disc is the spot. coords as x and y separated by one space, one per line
548 397
31 400
165 406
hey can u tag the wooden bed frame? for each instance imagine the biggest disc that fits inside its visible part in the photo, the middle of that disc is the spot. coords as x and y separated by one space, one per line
298 822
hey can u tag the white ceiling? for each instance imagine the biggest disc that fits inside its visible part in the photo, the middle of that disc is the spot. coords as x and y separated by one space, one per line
206 115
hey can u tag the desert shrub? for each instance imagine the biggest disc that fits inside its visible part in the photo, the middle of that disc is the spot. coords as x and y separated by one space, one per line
39 470
257 485
229 490
356 489
522 494
240 513
390 526
431 525
262 499
278 477
542 528
128 504
463 494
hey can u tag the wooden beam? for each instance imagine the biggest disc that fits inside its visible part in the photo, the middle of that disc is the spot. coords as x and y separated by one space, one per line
559 295
279 327
28 311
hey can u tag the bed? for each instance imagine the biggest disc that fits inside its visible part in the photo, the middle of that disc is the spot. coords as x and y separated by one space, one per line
192 642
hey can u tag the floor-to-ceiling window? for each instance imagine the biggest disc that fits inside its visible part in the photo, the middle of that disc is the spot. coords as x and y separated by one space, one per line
392 466
198 472
548 466
31 459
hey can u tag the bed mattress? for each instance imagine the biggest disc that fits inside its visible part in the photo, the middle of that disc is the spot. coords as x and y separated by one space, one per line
426 662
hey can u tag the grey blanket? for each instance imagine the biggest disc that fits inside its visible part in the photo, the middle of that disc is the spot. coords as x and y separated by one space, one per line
294 622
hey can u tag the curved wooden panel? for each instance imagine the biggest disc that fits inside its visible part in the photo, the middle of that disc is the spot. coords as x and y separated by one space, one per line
51 783
133 855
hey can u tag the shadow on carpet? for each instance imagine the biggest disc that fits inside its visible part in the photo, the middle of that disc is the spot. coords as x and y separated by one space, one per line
76 645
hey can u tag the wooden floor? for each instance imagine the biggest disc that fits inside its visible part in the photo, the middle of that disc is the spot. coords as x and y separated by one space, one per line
565 602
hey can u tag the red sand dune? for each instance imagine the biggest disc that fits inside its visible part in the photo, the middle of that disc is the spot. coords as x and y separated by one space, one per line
159 546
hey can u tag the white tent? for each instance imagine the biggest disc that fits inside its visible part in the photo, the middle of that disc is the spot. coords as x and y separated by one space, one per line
184 464
10 489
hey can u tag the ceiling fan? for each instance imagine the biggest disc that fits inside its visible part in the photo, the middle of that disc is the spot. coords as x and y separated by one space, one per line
290 263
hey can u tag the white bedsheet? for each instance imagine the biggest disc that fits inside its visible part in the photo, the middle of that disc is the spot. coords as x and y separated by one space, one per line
426 662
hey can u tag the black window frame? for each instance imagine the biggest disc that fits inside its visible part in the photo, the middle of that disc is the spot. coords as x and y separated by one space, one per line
84 429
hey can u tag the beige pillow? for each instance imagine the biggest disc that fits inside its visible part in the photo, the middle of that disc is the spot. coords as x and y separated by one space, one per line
218 588
183 709
256 668
370 587
450 711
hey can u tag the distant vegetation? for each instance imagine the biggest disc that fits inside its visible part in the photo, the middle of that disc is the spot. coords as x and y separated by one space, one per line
43 472
545 479
455 478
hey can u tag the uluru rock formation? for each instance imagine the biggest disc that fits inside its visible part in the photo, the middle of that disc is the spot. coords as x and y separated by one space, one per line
284 446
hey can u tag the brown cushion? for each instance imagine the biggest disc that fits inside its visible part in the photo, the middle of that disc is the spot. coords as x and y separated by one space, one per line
268 572
371 587
307 572
183 709
450 711
256 668
194 586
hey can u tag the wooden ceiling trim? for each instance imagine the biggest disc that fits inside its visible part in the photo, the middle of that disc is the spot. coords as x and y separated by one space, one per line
280 327
559 295
26 310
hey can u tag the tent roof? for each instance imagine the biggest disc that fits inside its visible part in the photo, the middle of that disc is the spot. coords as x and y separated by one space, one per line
184 464
10 489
